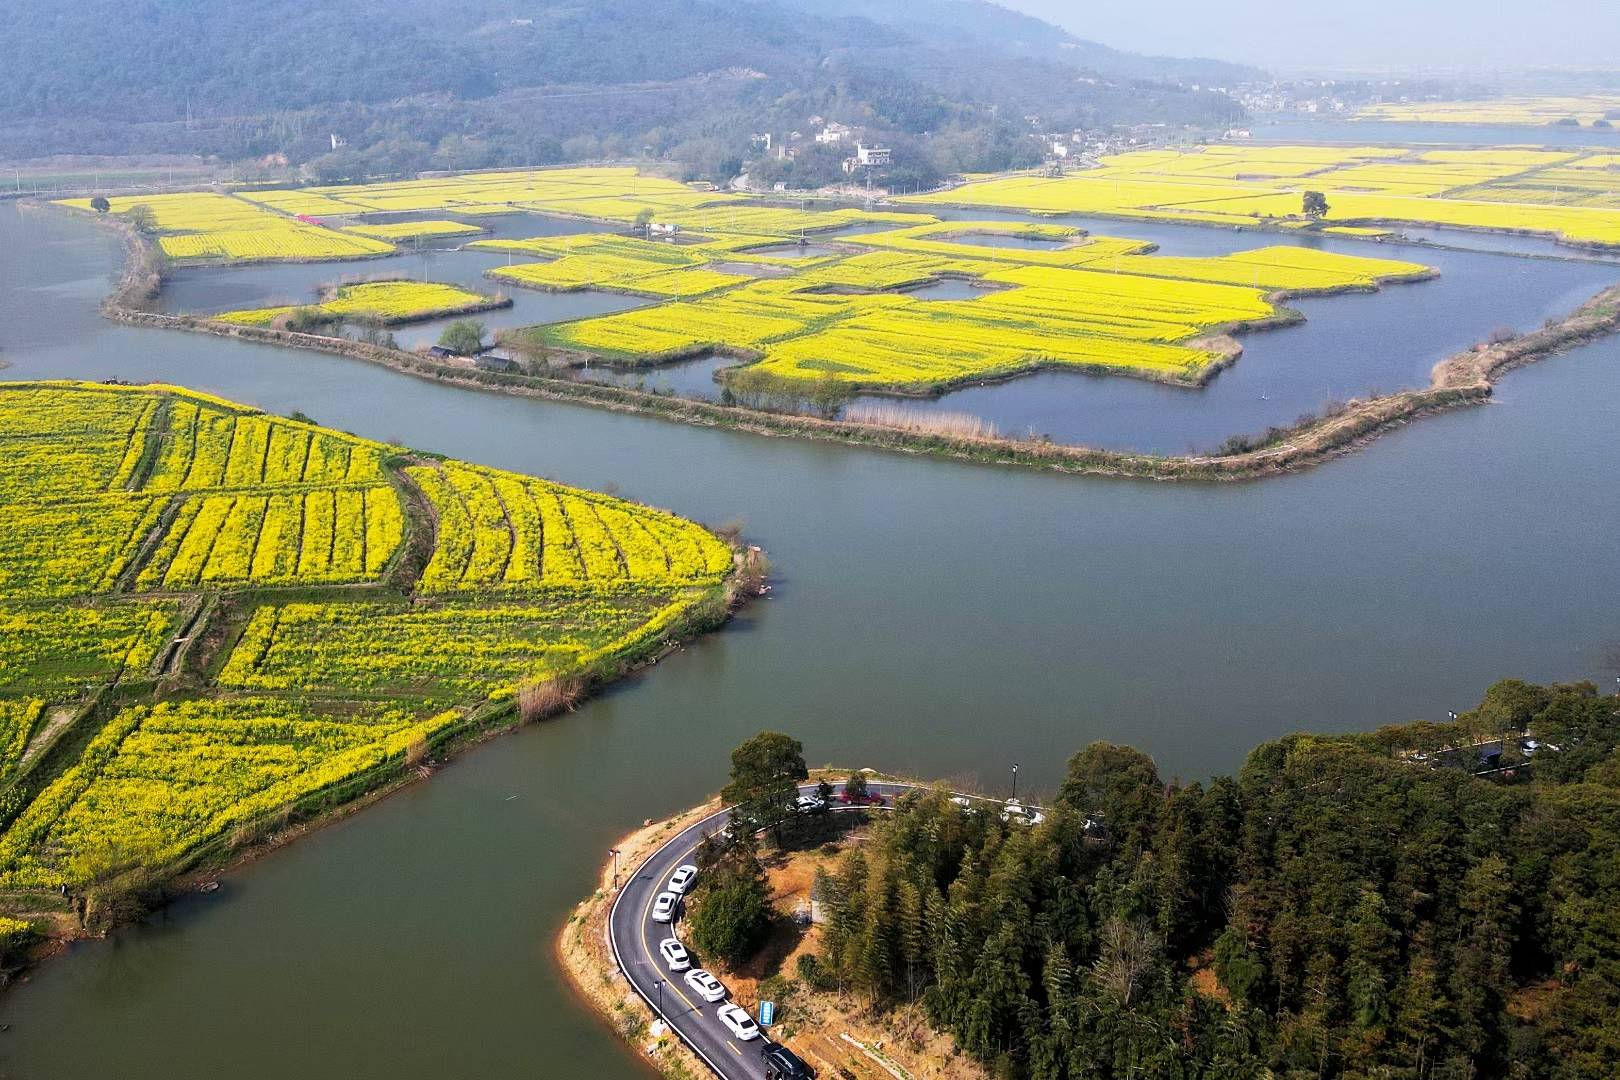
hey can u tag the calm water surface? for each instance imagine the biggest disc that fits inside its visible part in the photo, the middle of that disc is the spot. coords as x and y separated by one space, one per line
941 618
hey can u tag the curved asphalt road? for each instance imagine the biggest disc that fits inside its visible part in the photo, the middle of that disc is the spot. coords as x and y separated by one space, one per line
635 937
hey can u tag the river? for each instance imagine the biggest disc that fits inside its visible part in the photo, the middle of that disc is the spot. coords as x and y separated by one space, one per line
929 617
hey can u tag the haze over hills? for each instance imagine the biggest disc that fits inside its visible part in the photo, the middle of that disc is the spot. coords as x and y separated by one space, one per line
1451 37
425 83
981 25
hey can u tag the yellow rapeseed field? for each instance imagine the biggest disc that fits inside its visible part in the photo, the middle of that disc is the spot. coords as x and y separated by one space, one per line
356 602
388 302
1092 302
197 226
1508 188
412 230
1521 110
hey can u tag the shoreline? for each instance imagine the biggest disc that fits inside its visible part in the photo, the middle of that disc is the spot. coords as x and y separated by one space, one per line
199 870
593 977
1466 378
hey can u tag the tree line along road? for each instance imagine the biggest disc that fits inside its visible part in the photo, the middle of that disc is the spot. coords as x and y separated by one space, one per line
634 938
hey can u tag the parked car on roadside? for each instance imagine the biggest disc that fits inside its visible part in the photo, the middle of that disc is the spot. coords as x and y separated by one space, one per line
783 1064
737 1019
1017 813
675 955
707 986
681 879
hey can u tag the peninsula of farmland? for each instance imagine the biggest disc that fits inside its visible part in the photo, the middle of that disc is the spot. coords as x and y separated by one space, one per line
213 620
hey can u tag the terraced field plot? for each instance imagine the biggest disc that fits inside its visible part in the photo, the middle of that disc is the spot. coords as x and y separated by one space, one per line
609 193
203 226
1521 110
387 302
1096 303
1229 184
237 612
413 230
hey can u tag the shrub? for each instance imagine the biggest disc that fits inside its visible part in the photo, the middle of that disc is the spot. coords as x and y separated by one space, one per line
731 911
464 337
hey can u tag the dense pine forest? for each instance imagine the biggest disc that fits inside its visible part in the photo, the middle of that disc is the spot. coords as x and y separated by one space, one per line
1376 905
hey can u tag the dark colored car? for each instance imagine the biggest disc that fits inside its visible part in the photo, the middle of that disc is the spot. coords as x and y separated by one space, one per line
783 1064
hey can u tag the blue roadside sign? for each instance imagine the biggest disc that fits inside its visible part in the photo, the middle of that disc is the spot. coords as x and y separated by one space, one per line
767 1013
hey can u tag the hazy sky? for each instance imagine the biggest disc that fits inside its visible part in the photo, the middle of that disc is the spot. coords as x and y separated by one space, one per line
1367 35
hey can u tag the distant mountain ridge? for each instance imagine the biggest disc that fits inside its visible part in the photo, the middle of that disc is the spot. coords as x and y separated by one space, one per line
435 84
980 24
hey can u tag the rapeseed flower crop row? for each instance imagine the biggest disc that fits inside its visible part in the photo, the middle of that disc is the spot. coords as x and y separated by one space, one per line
54 651
515 532
160 780
168 490
451 651
18 719
313 537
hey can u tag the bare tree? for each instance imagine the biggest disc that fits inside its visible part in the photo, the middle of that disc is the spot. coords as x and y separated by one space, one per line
1129 950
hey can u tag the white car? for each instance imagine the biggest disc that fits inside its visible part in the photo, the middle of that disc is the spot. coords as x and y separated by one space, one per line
675 954
737 1019
664 907
707 986
681 879
809 804
965 803
1023 815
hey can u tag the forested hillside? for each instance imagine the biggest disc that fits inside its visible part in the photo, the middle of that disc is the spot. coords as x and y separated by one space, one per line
417 84
1343 907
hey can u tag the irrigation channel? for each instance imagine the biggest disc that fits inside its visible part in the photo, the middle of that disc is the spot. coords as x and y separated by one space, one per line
929 618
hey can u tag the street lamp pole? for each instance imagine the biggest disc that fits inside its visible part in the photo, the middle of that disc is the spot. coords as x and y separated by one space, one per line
1015 780
661 1003
615 853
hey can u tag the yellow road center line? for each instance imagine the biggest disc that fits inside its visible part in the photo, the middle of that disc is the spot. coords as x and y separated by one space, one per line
646 947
